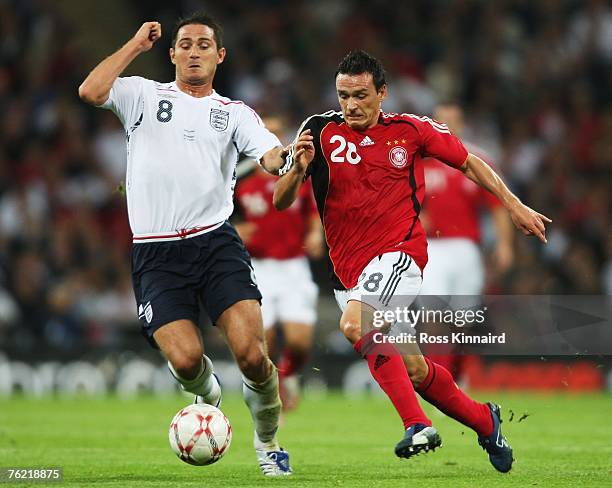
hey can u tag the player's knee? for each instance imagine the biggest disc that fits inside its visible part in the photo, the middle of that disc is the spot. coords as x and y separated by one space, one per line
253 363
417 370
186 361
351 329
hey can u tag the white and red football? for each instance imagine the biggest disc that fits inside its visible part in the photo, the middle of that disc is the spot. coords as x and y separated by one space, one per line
200 434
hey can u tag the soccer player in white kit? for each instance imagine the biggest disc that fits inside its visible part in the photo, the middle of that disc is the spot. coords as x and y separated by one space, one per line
183 142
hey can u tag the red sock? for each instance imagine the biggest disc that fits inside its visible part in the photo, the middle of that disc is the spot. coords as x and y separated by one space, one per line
450 362
440 390
291 362
388 369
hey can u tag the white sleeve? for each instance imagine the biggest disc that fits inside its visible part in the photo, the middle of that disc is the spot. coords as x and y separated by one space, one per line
126 99
251 136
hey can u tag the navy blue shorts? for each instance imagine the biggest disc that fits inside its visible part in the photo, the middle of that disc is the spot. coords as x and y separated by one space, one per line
171 279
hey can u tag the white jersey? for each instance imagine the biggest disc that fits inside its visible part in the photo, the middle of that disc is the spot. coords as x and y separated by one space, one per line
182 155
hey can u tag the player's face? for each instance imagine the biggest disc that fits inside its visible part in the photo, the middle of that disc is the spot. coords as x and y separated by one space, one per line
195 54
359 99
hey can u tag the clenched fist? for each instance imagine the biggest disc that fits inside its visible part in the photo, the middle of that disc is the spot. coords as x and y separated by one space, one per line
146 36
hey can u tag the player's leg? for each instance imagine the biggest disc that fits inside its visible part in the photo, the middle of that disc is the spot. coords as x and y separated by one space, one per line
181 344
243 330
168 312
450 362
383 277
297 309
231 297
298 341
436 385
242 326
271 292
387 368
432 378
384 361
271 341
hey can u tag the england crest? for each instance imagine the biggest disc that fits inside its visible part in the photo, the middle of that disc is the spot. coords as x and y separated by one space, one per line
219 119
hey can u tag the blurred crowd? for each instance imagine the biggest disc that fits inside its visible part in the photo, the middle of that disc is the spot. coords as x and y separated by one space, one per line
534 77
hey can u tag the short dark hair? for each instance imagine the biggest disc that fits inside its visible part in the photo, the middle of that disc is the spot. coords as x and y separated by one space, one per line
358 62
200 18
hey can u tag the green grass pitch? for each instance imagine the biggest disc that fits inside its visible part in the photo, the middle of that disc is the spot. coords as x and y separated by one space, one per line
333 440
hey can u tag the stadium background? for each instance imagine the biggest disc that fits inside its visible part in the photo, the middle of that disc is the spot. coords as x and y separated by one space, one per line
534 78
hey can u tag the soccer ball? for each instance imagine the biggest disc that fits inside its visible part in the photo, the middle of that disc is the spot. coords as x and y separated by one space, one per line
200 434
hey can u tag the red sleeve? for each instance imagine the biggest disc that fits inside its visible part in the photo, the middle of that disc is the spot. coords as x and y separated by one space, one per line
439 143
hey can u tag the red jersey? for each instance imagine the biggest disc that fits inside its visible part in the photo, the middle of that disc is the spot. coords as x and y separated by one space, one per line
453 202
278 235
369 186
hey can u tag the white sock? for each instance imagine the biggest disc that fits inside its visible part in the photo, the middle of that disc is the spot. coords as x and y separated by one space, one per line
203 382
265 405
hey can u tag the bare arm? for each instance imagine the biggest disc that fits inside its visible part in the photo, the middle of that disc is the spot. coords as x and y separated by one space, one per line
273 160
524 218
288 185
287 188
96 88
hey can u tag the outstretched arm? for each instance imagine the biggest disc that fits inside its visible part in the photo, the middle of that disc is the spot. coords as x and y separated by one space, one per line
524 218
96 88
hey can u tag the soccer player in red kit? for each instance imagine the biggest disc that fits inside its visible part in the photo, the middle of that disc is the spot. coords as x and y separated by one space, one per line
278 243
367 176
457 232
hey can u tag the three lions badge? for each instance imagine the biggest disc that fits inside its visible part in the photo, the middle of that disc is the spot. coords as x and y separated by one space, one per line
219 119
